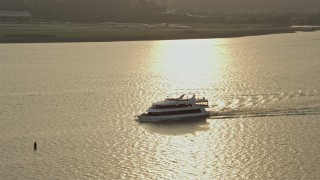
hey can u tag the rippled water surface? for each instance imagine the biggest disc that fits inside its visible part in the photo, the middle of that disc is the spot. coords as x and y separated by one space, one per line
77 100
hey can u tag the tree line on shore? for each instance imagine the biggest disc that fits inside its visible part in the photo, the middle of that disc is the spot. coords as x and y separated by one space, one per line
147 12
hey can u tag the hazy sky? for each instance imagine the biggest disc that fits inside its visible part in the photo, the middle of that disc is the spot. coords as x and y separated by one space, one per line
244 4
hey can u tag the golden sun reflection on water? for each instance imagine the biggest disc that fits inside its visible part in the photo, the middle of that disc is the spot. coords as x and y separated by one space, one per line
183 148
189 64
193 66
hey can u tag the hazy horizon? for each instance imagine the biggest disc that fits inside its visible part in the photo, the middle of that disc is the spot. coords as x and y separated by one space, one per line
188 5
243 5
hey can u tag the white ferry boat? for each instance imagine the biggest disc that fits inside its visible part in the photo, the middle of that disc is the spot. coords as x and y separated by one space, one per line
175 109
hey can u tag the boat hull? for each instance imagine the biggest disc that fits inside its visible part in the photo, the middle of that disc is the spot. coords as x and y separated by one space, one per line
144 118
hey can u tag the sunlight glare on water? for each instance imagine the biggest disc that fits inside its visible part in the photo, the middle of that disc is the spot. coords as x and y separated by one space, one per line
186 64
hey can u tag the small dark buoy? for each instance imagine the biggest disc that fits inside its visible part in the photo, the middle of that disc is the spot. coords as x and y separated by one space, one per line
35 145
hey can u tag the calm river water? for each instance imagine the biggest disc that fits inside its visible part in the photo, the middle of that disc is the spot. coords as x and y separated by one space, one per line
77 100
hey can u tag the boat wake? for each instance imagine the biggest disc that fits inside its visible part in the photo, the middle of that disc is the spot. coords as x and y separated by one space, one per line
265 113
295 103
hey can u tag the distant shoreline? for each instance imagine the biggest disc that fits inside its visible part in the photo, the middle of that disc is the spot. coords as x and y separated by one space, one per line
59 39
56 34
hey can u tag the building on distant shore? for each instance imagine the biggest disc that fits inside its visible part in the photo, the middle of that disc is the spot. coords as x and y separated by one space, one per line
86 10
12 5
15 16
148 6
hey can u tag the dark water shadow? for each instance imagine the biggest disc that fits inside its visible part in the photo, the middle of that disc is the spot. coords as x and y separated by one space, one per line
179 127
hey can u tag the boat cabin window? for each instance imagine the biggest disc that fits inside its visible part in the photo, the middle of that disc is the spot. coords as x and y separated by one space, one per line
202 103
171 106
174 112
